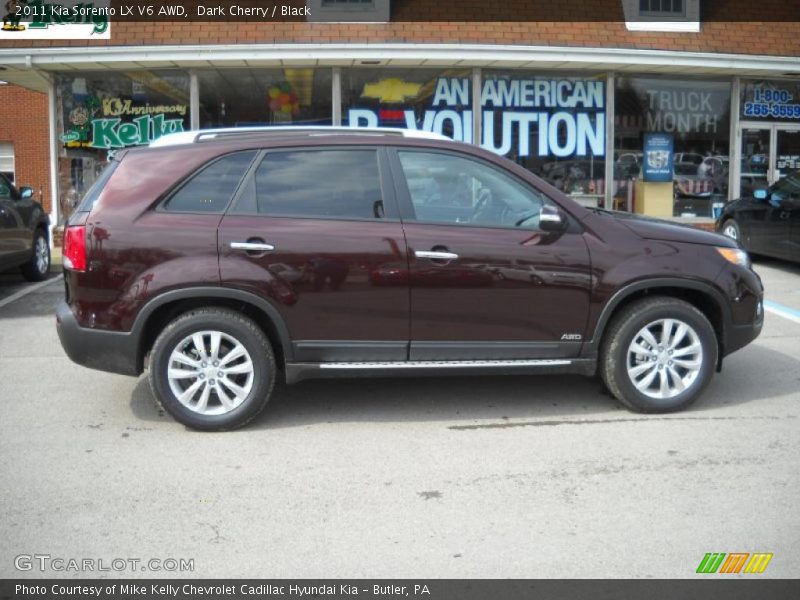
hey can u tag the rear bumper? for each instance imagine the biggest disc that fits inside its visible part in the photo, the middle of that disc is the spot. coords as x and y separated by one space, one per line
110 351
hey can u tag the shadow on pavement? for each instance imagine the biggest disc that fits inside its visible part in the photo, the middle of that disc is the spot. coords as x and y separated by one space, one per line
465 399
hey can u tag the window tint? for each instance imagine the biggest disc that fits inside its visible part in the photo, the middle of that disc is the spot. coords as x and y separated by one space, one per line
93 193
211 189
788 188
451 189
5 188
325 183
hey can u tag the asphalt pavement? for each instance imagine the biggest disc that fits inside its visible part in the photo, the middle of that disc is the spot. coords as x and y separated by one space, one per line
425 478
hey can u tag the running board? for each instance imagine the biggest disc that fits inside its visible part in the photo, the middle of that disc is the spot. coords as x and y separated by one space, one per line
298 371
444 364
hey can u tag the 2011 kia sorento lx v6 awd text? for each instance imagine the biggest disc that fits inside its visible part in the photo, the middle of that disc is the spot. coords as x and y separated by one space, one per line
221 261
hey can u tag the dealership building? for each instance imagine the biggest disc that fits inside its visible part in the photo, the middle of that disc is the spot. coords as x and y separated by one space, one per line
575 102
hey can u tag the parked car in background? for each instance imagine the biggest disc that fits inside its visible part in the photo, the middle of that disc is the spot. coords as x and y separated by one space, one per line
419 255
24 232
767 221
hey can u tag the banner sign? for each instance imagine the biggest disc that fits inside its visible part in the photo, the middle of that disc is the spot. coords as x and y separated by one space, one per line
658 157
565 117
114 123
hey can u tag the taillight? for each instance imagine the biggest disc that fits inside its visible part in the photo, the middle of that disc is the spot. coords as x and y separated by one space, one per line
75 248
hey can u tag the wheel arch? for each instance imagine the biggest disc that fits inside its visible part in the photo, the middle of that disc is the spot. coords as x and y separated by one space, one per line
162 309
710 301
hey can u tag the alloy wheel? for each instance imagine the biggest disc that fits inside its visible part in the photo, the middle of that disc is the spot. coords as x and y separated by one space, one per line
664 358
210 372
42 253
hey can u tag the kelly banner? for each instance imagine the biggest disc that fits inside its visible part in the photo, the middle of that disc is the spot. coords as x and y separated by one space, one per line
712 588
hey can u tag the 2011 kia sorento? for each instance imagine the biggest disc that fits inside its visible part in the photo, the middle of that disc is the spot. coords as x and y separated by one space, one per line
221 261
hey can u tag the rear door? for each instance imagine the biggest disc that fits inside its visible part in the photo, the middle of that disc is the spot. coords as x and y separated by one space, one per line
486 282
316 232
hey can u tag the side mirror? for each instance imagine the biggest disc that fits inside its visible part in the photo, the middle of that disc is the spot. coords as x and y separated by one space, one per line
551 219
760 194
25 192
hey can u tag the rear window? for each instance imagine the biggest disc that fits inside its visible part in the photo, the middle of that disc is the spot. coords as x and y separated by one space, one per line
93 193
337 184
211 189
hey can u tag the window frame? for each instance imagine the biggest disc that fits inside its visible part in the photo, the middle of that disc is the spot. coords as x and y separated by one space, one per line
161 207
406 204
390 205
663 14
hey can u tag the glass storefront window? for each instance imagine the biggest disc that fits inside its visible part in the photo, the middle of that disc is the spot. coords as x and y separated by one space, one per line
552 124
770 101
696 114
102 112
260 97
425 99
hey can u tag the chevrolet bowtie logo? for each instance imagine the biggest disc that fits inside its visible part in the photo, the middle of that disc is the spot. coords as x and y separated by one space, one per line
393 90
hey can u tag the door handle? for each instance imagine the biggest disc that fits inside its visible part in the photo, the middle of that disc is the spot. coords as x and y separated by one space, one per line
252 246
435 255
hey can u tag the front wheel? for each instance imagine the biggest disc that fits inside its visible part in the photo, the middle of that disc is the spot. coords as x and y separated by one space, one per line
212 369
658 355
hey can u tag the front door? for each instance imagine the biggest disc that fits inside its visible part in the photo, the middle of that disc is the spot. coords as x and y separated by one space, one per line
15 237
486 282
316 233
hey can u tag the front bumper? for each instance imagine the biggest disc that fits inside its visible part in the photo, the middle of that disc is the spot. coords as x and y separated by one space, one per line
110 351
746 300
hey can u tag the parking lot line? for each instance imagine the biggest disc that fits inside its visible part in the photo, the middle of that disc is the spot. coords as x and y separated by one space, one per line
782 311
27 290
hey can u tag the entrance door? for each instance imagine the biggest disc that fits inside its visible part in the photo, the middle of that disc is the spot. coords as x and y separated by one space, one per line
768 152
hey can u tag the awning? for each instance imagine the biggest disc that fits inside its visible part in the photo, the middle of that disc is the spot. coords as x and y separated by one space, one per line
31 67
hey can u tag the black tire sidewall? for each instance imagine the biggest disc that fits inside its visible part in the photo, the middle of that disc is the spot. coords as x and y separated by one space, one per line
633 325
246 332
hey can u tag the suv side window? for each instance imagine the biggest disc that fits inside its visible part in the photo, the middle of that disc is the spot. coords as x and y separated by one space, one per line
211 189
450 189
336 184
5 188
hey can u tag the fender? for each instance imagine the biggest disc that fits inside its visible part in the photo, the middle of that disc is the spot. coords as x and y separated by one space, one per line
590 348
215 292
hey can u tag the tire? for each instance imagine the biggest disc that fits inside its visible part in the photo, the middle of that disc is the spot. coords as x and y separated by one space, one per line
731 229
622 362
252 387
38 266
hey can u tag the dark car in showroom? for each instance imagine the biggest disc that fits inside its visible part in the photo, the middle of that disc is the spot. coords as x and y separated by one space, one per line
24 232
767 222
223 261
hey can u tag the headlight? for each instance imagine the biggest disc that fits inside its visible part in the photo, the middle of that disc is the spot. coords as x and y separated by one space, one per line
735 256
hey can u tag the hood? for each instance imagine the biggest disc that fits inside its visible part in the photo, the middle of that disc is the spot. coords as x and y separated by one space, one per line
667 231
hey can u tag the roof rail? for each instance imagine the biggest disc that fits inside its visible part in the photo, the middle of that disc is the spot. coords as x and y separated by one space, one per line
206 135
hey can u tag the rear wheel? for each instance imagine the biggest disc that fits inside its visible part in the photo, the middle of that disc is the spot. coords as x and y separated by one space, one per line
212 369
658 355
38 267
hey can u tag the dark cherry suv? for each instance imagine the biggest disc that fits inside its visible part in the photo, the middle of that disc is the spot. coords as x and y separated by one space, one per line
221 261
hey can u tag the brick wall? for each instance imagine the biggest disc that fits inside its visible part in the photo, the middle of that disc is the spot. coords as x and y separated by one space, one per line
23 122
776 39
